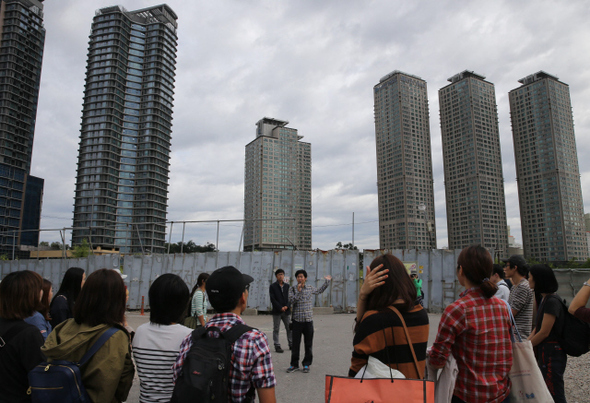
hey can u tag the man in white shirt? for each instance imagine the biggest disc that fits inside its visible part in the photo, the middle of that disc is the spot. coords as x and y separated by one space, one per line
498 278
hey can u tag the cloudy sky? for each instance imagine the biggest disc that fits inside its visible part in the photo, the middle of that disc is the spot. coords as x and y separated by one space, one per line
313 63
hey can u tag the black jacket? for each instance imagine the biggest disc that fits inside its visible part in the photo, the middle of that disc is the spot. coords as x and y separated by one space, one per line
279 298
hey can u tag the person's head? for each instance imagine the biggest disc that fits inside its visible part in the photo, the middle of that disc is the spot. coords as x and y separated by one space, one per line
475 265
497 273
542 279
398 285
227 289
301 276
168 297
46 299
201 280
20 293
515 264
280 275
101 300
72 284
414 274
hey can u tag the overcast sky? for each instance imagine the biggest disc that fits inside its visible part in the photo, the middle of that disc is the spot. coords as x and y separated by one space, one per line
314 64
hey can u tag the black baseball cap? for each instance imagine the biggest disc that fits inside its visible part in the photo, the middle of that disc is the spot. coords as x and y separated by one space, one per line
226 285
516 260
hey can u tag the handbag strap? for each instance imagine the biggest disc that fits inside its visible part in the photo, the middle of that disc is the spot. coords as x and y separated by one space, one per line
513 324
399 315
99 343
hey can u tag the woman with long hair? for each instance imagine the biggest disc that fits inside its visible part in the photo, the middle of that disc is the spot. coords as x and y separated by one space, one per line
20 342
41 316
379 331
544 338
476 330
198 303
62 305
108 374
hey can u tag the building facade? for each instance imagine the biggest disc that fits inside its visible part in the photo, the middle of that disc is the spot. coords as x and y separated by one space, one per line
124 156
404 163
22 38
474 183
548 176
277 194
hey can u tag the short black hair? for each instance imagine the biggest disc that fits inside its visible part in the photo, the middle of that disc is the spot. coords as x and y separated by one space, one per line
521 265
499 270
279 271
301 271
544 279
168 297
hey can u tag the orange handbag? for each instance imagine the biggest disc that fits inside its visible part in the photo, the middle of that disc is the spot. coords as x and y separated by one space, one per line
341 389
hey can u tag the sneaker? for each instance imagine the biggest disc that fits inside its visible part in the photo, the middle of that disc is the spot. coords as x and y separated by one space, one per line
306 369
292 369
278 349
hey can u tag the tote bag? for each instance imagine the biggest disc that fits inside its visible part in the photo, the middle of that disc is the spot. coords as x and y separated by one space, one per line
340 389
528 384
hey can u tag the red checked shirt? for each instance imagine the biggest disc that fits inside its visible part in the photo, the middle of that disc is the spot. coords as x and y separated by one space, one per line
476 330
251 360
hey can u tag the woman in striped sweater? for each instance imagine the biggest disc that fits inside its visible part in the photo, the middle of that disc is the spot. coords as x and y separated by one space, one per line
379 331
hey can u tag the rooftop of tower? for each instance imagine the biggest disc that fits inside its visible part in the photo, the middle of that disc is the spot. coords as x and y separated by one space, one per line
394 72
539 75
464 74
160 13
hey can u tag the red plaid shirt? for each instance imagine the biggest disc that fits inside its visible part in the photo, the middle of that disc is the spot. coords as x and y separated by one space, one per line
476 330
251 360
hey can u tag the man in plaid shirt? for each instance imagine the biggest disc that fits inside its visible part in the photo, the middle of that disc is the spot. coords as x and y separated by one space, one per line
301 301
251 364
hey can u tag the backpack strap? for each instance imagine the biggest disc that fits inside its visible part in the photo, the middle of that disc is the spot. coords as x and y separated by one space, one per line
12 332
235 332
99 343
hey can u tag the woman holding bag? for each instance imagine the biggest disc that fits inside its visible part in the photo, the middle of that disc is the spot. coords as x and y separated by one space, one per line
476 330
550 319
390 327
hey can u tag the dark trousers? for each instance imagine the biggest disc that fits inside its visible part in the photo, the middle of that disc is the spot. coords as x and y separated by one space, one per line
276 326
552 360
305 329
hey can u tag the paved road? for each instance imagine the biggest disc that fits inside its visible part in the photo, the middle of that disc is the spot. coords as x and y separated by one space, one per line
332 352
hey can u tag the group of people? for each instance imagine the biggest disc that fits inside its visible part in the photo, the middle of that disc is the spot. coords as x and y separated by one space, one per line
391 327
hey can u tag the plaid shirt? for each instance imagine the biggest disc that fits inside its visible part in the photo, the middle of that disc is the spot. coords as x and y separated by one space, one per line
301 301
476 330
251 363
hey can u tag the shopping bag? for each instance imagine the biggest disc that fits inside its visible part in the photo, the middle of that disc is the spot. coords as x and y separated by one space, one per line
528 385
340 389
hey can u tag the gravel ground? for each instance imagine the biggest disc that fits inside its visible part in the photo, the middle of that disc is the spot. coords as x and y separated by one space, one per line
577 379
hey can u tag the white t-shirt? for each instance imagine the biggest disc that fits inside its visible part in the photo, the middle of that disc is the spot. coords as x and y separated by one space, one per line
155 348
503 291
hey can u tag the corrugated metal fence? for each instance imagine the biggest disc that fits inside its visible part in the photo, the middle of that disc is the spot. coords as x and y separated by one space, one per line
437 268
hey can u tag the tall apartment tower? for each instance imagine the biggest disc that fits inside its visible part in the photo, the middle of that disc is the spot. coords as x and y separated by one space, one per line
548 176
404 163
123 163
22 38
277 195
474 183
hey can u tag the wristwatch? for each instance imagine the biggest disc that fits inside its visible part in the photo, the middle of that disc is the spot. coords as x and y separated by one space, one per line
586 284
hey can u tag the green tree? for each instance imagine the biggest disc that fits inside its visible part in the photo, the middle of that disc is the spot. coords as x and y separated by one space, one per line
190 247
58 246
82 250
346 246
43 243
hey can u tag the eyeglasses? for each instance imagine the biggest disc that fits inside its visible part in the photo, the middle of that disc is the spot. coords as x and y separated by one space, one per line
247 288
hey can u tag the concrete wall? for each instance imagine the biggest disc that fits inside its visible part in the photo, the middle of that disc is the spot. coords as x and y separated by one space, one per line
437 268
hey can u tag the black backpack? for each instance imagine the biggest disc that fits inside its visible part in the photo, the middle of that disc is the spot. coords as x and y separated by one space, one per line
574 337
60 381
205 372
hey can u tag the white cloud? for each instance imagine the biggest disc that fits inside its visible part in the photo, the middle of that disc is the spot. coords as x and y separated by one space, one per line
313 64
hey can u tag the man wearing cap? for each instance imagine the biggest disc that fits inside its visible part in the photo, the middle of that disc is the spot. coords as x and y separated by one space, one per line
521 296
251 364
301 300
279 297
